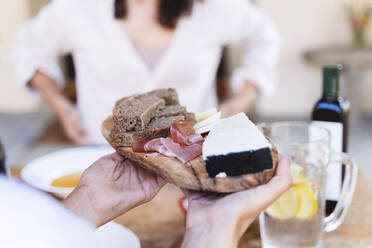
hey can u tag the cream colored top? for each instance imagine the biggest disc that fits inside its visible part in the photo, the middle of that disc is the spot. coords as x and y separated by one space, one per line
108 67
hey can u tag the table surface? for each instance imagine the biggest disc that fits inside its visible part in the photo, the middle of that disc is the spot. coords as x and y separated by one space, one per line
160 223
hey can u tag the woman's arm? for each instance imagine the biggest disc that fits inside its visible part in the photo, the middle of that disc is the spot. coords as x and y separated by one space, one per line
241 101
39 44
65 110
247 26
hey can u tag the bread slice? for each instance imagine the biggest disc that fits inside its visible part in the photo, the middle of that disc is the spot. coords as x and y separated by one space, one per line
157 128
190 117
169 95
172 110
136 112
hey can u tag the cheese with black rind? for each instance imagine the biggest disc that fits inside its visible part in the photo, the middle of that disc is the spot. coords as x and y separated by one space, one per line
235 146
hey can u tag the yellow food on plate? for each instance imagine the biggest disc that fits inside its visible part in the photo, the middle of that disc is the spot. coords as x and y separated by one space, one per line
307 206
67 181
285 207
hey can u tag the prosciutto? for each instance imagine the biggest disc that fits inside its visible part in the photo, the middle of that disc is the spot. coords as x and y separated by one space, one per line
169 148
140 146
184 145
182 152
183 133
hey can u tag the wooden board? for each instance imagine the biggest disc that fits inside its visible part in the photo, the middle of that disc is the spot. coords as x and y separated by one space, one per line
191 175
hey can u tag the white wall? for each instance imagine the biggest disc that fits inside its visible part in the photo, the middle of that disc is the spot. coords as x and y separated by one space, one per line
13 98
304 25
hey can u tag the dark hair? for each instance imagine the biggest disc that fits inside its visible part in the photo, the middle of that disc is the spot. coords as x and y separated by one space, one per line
169 11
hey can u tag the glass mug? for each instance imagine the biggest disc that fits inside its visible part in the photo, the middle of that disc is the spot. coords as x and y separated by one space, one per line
308 146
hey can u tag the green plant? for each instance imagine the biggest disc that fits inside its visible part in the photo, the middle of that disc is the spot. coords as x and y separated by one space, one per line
359 13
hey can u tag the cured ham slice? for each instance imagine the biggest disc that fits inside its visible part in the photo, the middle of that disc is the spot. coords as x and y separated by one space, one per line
183 133
169 148
181 152
140 146
185 144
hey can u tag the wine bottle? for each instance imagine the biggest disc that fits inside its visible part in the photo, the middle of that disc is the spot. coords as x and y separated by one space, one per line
331 112
3 169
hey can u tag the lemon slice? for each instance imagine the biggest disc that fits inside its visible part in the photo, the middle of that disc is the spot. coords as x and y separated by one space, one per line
297 173
285 207
205 115
307 202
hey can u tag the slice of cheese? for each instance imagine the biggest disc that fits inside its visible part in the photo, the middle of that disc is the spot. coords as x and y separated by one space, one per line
204 115
205 129
236 146
212 119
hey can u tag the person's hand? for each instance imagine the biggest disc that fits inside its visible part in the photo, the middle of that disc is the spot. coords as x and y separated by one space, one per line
70 120
241 102
219 220
66 111
110 187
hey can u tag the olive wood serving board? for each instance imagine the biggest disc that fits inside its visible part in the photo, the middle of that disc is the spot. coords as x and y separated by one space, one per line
191 175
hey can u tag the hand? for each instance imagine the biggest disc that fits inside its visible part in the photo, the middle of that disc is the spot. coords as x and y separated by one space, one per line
110 187
70 119
241 102
66 111
219 220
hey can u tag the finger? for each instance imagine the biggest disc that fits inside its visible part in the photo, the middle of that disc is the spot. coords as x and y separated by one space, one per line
195 195
76 139
161 181
81 133
281 182
114 157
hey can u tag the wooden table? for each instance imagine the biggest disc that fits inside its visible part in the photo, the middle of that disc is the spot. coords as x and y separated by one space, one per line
160 223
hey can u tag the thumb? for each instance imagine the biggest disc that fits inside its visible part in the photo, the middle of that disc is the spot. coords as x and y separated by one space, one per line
266 194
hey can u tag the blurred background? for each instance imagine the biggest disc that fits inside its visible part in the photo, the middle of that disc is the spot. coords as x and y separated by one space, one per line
313 33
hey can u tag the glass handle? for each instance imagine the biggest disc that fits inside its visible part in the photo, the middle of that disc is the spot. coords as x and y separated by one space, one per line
334 220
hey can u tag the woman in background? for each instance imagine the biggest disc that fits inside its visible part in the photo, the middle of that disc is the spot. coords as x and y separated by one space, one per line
122 47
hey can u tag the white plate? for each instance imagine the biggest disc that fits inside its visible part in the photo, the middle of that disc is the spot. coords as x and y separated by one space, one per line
40 172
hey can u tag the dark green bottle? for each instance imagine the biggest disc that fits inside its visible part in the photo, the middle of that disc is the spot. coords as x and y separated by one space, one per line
331 112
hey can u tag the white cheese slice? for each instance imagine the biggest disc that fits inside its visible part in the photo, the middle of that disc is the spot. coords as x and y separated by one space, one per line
205 129
233 135
221 175
214 118
204 115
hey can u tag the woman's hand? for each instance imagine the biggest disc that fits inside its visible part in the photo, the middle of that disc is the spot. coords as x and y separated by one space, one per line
66 111
218 220
110 187
241 102
70 120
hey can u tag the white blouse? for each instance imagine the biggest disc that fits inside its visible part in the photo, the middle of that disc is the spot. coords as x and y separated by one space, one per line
108 66
30 218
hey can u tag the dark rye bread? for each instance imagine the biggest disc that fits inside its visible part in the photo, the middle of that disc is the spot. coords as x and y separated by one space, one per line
172 110
190 117
136 112
157 128
169 95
